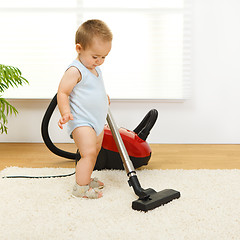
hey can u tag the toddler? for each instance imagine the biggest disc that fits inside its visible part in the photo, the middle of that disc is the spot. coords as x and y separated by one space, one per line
83 102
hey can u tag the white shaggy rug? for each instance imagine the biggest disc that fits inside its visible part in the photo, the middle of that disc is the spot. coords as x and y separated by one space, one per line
42 209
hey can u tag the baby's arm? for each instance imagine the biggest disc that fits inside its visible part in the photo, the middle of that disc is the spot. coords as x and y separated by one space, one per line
70 78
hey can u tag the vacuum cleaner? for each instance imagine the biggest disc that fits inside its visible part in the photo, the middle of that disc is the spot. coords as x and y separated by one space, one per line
138 149
148 198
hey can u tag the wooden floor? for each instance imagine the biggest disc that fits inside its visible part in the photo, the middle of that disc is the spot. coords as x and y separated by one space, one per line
164 156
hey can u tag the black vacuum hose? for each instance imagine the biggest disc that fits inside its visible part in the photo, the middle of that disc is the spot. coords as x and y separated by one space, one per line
45 134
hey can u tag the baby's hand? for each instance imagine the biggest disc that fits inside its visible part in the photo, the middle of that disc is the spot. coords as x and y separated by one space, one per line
64 119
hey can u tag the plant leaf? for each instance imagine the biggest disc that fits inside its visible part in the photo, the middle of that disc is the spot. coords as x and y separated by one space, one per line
11 76
4 104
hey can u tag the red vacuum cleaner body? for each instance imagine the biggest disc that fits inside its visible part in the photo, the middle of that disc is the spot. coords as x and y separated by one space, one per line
136 147
138 150
135 143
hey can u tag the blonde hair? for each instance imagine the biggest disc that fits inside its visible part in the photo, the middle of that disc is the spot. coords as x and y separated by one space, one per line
90 29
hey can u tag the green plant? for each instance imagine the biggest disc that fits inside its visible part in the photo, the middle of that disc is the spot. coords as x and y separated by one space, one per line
9 77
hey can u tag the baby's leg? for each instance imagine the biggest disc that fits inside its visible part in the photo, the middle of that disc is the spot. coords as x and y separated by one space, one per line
86 141
99 141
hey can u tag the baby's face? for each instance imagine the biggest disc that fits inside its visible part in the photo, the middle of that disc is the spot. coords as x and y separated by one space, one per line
95 55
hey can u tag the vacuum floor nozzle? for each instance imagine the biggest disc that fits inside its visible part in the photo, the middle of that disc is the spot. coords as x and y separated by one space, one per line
155 199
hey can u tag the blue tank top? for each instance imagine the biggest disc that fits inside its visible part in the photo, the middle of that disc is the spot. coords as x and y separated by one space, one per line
88 100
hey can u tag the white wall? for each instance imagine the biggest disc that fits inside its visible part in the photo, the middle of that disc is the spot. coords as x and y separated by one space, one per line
212 115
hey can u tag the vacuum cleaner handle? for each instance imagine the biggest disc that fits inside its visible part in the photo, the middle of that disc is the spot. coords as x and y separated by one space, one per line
45 134
144 127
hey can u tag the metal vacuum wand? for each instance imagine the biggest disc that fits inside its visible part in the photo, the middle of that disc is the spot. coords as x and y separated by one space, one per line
127 163
148 198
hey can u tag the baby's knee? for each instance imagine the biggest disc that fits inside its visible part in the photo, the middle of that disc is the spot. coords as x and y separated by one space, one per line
91 154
